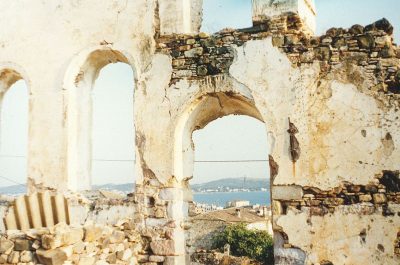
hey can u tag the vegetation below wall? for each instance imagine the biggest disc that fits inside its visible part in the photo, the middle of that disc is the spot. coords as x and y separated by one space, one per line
254 244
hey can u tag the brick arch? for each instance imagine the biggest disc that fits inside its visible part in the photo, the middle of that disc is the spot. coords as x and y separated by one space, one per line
78 83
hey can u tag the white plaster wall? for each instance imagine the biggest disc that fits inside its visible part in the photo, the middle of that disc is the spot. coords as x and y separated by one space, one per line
336 237
43 38
180 16
280 92
329 118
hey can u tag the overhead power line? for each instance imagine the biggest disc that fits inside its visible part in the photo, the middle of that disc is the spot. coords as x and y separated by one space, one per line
196 161
13 181
232 161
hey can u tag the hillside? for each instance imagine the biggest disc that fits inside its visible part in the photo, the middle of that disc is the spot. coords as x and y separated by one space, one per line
126 187
234 183
231 183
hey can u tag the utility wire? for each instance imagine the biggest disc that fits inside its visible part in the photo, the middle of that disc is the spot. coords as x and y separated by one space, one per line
231 161
196 161
13 181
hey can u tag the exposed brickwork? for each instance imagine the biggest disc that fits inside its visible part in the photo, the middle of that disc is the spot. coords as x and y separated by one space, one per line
371 47
376 195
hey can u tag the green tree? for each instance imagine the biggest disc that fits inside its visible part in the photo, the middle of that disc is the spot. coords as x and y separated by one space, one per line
254 244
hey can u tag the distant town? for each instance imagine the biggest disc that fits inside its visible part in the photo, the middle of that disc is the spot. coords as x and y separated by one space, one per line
228 189
233 185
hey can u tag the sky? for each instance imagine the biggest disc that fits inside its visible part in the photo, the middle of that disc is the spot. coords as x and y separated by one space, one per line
228 138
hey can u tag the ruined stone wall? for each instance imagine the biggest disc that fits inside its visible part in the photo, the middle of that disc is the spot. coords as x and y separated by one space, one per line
336 162
330 105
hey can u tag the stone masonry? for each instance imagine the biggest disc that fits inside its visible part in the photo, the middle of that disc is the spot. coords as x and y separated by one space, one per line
330 105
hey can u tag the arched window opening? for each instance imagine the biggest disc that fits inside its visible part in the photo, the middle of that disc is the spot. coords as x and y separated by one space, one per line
231 162
218 134
101 133
14 138
220 14
113 140
231 181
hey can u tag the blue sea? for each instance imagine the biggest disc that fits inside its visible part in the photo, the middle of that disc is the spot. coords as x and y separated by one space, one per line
221 198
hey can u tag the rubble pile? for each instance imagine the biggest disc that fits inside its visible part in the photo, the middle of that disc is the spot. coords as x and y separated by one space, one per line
87 245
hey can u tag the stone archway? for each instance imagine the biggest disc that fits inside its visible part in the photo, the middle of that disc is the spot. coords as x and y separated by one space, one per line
210 105
79 82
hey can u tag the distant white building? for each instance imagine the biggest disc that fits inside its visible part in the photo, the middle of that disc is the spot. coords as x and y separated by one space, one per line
237 203
200 208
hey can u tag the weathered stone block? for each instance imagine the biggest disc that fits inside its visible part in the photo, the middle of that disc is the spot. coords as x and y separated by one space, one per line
365 198
103 262
124 255
154 258
117 237
51 257
51 241
287 192
356 29
112 258
159 212
26 256
6 246
13 257
195 52
3 258
163 247
92 233
22 244
72 236
322 53
278 41
379 198
87 261
366 42
78 247
202 70
371 188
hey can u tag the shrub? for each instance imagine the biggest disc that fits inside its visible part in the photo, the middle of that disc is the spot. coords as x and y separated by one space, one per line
254 244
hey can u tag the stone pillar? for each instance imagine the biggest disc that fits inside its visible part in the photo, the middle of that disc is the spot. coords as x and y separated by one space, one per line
263 9
180 16
177 211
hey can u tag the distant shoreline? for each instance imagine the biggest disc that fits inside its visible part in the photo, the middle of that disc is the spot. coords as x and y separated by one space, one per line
210 192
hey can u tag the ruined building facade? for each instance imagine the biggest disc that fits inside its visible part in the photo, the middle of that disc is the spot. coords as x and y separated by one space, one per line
330 105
